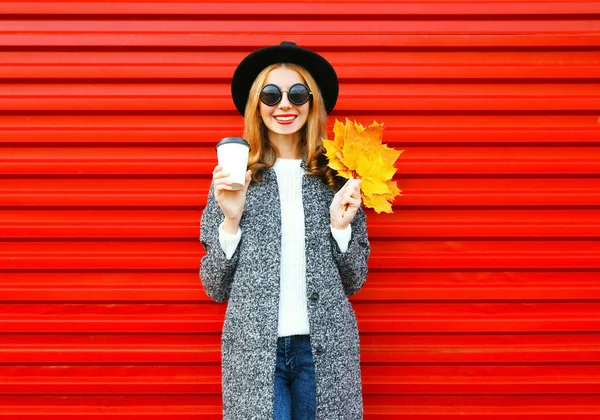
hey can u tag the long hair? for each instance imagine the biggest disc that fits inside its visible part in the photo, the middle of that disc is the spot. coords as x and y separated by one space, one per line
262 153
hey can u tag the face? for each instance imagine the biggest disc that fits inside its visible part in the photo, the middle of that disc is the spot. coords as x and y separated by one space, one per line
284 118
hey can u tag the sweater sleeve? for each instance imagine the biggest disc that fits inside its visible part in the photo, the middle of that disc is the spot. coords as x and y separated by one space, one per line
353 263
342 237
216 271
228 241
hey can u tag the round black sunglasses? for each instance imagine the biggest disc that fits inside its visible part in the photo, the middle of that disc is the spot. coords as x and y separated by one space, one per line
298 94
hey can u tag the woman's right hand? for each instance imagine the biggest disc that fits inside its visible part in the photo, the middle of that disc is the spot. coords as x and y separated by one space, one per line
231 202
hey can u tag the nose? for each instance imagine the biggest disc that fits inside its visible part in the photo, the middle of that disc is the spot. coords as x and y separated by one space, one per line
285 102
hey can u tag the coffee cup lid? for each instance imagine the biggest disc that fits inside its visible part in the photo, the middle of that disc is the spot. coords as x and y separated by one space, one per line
237 140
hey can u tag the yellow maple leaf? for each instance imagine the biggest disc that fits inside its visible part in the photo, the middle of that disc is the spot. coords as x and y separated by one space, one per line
379 203
389 155
383 202
357 126
359 152
334 147
393 186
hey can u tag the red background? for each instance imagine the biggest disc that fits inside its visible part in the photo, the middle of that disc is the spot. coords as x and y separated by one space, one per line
482 301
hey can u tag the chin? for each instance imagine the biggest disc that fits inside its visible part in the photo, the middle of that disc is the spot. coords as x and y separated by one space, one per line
288 129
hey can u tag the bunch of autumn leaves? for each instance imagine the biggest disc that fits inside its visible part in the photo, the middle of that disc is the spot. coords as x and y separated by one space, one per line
358 152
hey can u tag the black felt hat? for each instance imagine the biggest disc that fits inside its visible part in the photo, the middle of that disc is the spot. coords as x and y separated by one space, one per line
286 52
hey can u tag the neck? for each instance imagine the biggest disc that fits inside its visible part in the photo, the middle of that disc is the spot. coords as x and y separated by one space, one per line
286 145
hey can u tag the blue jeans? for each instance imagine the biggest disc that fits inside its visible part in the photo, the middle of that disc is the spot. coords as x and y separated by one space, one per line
295 383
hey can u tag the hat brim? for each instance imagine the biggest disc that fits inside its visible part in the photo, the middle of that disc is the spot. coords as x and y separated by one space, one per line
249 68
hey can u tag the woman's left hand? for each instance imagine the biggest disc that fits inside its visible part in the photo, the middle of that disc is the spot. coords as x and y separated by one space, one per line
345 204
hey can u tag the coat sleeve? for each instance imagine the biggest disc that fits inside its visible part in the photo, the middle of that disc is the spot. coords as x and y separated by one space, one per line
216 271
353 263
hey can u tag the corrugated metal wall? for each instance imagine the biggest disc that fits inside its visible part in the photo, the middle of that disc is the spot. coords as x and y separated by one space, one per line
483 300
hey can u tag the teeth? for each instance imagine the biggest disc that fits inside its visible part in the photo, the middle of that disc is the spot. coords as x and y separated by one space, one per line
285 118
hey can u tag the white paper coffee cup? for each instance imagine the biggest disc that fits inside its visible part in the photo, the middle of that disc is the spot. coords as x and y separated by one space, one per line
232 154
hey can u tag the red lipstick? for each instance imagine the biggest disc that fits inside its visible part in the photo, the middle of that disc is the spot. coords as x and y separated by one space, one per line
290 118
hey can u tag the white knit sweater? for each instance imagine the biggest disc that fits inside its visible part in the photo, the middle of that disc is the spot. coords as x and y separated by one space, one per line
293 314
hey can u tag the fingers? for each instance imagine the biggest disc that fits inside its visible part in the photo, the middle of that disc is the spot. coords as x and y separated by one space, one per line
221 179
350 199
346 202
352 202
349 206
222 182
356 185
219 172
352 184
351 190
222 185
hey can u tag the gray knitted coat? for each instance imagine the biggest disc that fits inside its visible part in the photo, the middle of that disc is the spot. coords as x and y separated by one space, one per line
249 281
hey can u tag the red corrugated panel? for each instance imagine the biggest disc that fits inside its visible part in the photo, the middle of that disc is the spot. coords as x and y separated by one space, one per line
482 300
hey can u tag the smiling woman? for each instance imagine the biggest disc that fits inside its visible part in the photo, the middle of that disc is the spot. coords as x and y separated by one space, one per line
286 250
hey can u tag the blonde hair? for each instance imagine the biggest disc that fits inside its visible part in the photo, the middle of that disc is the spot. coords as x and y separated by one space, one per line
262 153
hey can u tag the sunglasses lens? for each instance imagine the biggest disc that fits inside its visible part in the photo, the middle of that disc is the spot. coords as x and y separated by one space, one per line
298 94
270 95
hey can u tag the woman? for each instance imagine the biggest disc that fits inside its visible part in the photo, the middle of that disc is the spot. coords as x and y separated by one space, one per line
287 250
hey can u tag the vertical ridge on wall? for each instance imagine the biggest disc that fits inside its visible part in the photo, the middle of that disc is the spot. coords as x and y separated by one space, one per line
482 297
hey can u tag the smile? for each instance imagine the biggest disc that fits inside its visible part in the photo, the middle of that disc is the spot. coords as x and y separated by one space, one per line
285 119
